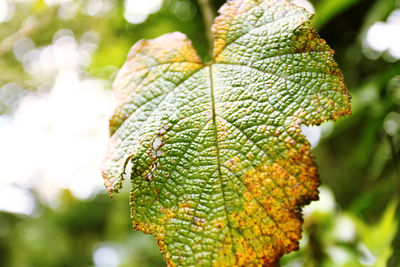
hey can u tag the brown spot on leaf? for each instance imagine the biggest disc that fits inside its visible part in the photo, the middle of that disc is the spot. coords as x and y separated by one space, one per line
269 223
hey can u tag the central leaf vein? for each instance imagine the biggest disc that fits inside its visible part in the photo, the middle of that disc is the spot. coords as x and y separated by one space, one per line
218 155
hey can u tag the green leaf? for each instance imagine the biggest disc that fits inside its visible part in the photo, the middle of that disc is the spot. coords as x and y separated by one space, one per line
379 237
218 165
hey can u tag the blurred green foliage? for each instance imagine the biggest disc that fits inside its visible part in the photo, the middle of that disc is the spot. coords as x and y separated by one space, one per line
358 157
70 235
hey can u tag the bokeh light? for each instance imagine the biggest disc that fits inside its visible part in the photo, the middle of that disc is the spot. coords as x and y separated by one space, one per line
384 37
7 10
137 11
58 134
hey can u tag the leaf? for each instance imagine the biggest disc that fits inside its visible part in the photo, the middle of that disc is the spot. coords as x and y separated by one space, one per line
377 239
218 165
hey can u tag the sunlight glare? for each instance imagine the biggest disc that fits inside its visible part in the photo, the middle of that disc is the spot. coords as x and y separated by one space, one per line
385 36
16 200
136 11
106 255
59 137
7 10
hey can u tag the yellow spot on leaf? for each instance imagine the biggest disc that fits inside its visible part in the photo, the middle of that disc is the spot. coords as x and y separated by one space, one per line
269 223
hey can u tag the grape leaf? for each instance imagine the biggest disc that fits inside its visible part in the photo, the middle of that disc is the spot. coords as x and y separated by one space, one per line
218 165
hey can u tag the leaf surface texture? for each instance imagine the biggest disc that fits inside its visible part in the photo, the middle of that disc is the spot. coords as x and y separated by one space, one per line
218 165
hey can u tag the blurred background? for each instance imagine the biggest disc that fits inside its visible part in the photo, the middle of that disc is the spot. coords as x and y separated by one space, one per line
58 59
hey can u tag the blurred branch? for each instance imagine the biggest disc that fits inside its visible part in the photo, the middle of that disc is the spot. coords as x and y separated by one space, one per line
208 14
29 26
396 165
326 10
